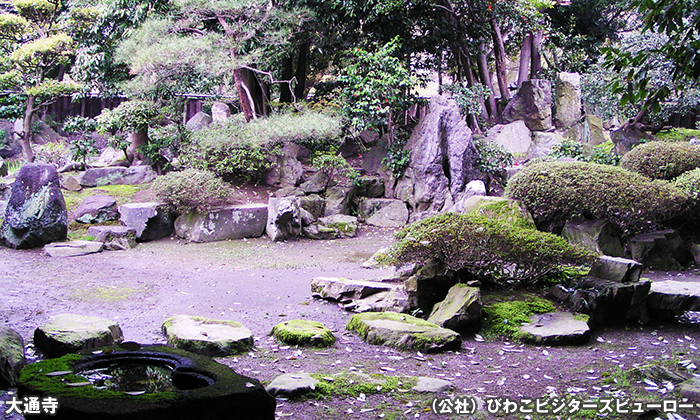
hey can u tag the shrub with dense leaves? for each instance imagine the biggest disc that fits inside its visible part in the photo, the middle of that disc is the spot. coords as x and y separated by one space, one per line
554 192
192 190
689 183
662 160
489 249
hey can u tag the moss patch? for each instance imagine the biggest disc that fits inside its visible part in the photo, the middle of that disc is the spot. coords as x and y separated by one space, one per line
122 193
350 384
677 134
503 319
109 294
303 333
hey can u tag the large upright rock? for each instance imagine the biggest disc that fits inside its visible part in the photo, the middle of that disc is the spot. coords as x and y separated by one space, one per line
339 200
532 104
443 160
283 218
514 137
230 222
460 310
568 99
660 250
36 212
287 170
598 236
199 121
220 112
11 357
542 144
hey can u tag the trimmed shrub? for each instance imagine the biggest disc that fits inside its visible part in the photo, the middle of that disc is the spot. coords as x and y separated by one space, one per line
662 160
689 183
554 192
489 249
192 190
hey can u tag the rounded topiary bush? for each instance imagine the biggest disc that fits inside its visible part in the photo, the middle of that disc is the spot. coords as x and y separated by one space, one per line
662 160
192 190
554 192
689 183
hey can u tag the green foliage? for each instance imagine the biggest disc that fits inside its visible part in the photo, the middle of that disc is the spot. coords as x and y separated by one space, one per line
469 99
353 384
78 124
493 158
82 147
689 183
554 192
490 249
130 116
164 143
677 134
604 154
334 165
504 319
662 160
569 148
191 190
12 106
55 153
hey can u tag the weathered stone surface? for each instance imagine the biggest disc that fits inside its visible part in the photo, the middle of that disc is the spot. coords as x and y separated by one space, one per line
151 221
690 389
343 226
72 248
592 131
598 236
383 212
694 251
345 290
616 269
117 175
339 200
532 104
289 191
283 218
11 357
115 238
373 261
514 137
371 187
110 157
373 160
499 208
303 332
542 144
443 160
220 112
287 170
292 385
71 182
36 211
230 222
628 136
318 232
662 250
393 300
432 385
403 332
555 329
461 309
211 337
314 205
317 183
97 209
428 286
69 333
567 99
674 297
199 121
42 132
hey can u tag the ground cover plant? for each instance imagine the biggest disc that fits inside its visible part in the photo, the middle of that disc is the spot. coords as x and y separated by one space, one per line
192 190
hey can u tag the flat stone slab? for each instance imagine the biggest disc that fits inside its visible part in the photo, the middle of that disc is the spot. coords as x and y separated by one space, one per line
432 385
11 357
115 238
617 269
292 385
690 389
403 331
394 300
209 337
303 332
73 248
69 333
555 329
345 290
674 296
231 222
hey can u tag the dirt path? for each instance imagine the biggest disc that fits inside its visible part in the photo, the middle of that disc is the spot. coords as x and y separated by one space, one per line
260 283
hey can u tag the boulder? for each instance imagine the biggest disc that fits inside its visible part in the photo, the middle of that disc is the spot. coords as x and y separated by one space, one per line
289 191
71 182
36 211
318 232
393 300
403 331
542 144
616 269
556 329
532 104
461 309
11 357
628 136
210 337
199 121
669 298
150 221
343 226
97 209
3 167
115 238
592 131
303 332
339 200
70 333
42 132
371 187
373 159
598 236
283 218
442 160
661 250
110 157
117 175
230 222
567 99
72 248
432 385
291 385
316 183
287 170
344 290
220 112
315 207
499 208
428 286
383 212
514 137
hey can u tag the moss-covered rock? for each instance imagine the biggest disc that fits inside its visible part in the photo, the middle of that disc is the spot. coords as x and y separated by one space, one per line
11 357
303 332
403 331
503 319
206 336
69 333
460 310
502 209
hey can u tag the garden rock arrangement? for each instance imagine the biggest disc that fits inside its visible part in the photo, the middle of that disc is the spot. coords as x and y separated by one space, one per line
97 209
209 337
114 238
69 333
231 222
461 309
117 175
670 298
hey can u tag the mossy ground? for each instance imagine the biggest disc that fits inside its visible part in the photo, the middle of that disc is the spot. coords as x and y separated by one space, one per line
122 193
504 312
105 293
350 384
677 134
303 333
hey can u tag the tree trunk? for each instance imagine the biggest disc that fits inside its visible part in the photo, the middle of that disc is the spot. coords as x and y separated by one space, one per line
25 138
525 53
244 95
302 63
286 88
137 140
535 57
499 52
485 77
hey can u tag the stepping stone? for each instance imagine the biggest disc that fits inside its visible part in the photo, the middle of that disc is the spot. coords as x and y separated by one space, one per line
690 389
73 248
403 331
555 329
209 337
432 385
230 222
11 357
115 238
344 290
70 333
303 332
151 221
461 308
674 297
292 385
617 269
